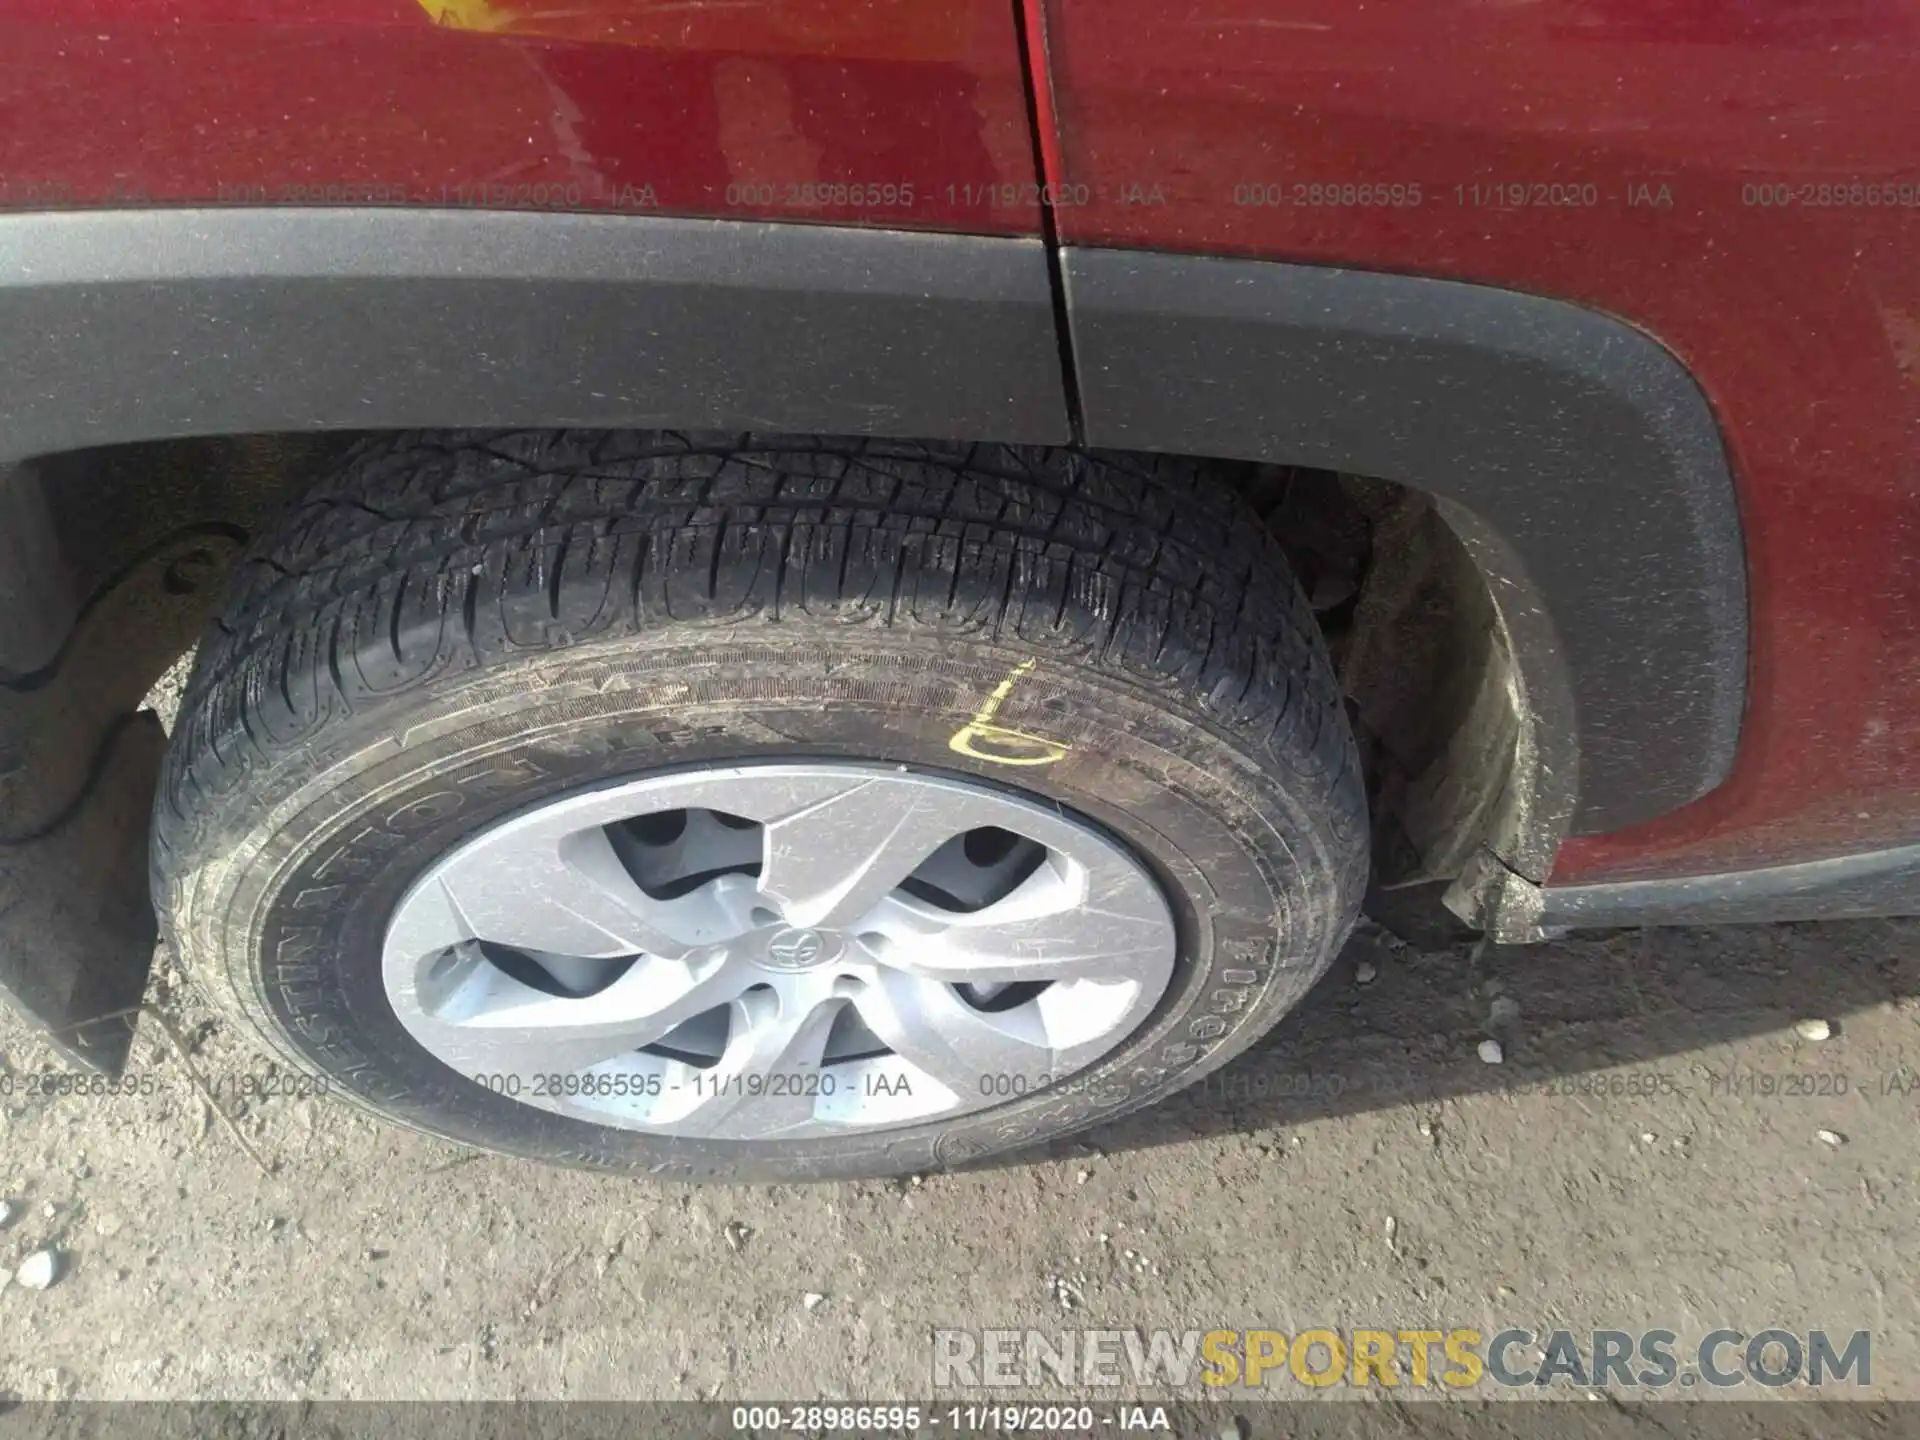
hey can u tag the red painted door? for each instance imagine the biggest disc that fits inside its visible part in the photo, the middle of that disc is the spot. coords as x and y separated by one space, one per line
903 113
1742 180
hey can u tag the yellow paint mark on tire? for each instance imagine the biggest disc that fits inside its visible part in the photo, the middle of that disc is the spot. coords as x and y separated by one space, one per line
981 739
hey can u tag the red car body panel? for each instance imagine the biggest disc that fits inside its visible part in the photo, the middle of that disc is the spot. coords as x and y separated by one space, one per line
1800 320
1183 126
902 113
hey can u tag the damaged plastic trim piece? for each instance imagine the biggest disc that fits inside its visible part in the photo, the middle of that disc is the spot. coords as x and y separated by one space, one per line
1490 896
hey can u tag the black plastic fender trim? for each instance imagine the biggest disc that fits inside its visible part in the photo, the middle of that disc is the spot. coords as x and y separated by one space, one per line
1576 455
122 325
1868 885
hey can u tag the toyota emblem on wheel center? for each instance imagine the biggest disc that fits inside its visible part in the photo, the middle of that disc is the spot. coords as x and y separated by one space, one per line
801 949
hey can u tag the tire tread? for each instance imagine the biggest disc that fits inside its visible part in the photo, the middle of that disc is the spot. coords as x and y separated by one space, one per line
431 550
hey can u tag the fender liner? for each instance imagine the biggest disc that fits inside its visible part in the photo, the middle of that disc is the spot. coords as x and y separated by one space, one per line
1574 455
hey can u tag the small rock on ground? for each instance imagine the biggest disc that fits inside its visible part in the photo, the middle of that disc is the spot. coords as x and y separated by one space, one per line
38 1270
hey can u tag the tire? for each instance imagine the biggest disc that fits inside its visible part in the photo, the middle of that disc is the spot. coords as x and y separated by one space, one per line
459 626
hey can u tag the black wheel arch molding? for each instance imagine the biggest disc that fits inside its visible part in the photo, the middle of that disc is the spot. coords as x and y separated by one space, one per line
1573 454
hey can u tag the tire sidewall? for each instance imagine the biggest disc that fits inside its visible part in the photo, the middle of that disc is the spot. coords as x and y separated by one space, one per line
1259 857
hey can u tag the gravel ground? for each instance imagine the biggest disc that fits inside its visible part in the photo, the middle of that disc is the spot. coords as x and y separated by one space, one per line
214 1244
305 1251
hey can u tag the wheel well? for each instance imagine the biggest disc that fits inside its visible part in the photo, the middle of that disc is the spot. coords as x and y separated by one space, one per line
1576 458
1408 618
136 541
1423 660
